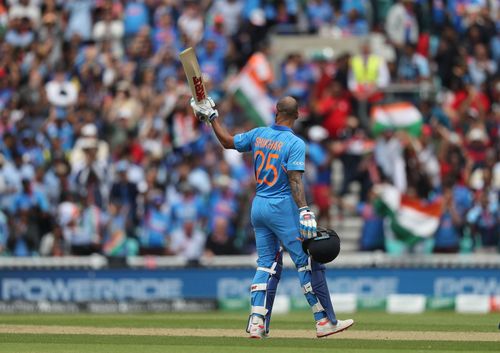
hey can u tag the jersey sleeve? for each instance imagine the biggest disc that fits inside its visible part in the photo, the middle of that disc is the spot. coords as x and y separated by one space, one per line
243 141
297 156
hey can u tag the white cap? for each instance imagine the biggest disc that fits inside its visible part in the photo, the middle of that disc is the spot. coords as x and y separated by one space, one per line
87 143
477 134
89 130
317 133
258 17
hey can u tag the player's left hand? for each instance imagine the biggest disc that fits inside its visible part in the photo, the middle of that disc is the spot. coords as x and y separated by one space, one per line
307 223
204 110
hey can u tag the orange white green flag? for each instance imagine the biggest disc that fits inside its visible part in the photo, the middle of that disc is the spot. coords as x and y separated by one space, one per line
411 219
250 90
396 116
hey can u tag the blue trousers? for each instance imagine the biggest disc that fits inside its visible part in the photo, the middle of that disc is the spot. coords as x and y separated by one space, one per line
276 221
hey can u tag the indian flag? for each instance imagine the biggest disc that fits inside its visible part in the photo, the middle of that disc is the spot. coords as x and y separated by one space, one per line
411 219
250 90
399 116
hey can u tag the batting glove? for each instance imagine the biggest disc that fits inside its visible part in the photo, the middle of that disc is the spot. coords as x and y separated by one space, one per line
205 110
307 223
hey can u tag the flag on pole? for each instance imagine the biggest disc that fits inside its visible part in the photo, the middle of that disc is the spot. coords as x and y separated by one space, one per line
411 219
399 116
250 89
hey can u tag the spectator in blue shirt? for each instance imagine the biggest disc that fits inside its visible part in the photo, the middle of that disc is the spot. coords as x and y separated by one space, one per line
155 226
319 13
6 91
481 67
166 69
61 129
296 76
462 199
212 61
319 174
216 32
358 5
447 237
458 9
164 34
23 239
189 208
124 193
223 204
10 175
353 23
372 233
80 18
29 148
412 67
29 199
136 17
20 34
117 242
484 220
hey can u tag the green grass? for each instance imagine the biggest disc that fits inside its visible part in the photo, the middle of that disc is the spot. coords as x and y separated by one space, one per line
431 321
437 321
109 344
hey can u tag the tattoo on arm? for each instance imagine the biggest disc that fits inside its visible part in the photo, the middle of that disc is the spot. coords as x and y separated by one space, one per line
297 187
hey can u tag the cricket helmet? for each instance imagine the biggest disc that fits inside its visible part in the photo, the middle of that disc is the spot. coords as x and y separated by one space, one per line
323 248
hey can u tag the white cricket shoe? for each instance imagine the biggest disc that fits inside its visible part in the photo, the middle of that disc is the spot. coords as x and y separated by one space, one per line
324 327
257 327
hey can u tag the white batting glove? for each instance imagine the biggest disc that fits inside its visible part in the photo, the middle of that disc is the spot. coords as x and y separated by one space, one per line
204 110
307 223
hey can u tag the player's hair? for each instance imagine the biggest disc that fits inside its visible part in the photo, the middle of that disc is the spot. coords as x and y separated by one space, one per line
287 106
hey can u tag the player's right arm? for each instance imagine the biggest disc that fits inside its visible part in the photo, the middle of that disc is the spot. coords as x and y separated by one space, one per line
205 111
224 137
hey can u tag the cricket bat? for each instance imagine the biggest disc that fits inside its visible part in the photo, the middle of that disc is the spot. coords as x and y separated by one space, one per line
193 74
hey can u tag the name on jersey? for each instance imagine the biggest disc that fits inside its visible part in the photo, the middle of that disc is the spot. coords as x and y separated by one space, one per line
269 144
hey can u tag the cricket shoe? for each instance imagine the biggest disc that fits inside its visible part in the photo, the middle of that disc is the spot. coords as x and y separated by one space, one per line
257 327
324 327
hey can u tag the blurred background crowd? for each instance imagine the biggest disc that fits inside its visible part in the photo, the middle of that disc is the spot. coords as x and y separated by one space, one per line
100 152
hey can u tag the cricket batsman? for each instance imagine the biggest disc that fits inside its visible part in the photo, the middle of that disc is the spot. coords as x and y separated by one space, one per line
280 215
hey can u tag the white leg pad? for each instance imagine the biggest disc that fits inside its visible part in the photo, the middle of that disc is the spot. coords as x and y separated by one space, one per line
258 287
259 310
304 268
271 270
308 288
316 308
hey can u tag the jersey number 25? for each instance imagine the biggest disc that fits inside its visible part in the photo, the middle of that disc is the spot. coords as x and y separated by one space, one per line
269 166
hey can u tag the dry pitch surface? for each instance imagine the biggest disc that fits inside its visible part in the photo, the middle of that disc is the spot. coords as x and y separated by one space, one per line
196 332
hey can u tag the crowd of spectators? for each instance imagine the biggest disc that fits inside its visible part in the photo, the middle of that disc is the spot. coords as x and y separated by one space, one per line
100 152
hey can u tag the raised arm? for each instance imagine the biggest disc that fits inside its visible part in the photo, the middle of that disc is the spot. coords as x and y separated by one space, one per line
224 137
205 111
297 187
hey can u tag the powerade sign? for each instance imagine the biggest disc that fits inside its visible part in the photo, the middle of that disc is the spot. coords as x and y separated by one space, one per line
85 290
363 286
156 285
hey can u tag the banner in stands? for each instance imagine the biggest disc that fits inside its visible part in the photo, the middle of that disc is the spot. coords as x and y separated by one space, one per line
125 285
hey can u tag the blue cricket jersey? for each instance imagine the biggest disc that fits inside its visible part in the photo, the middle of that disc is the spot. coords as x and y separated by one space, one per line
275 150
